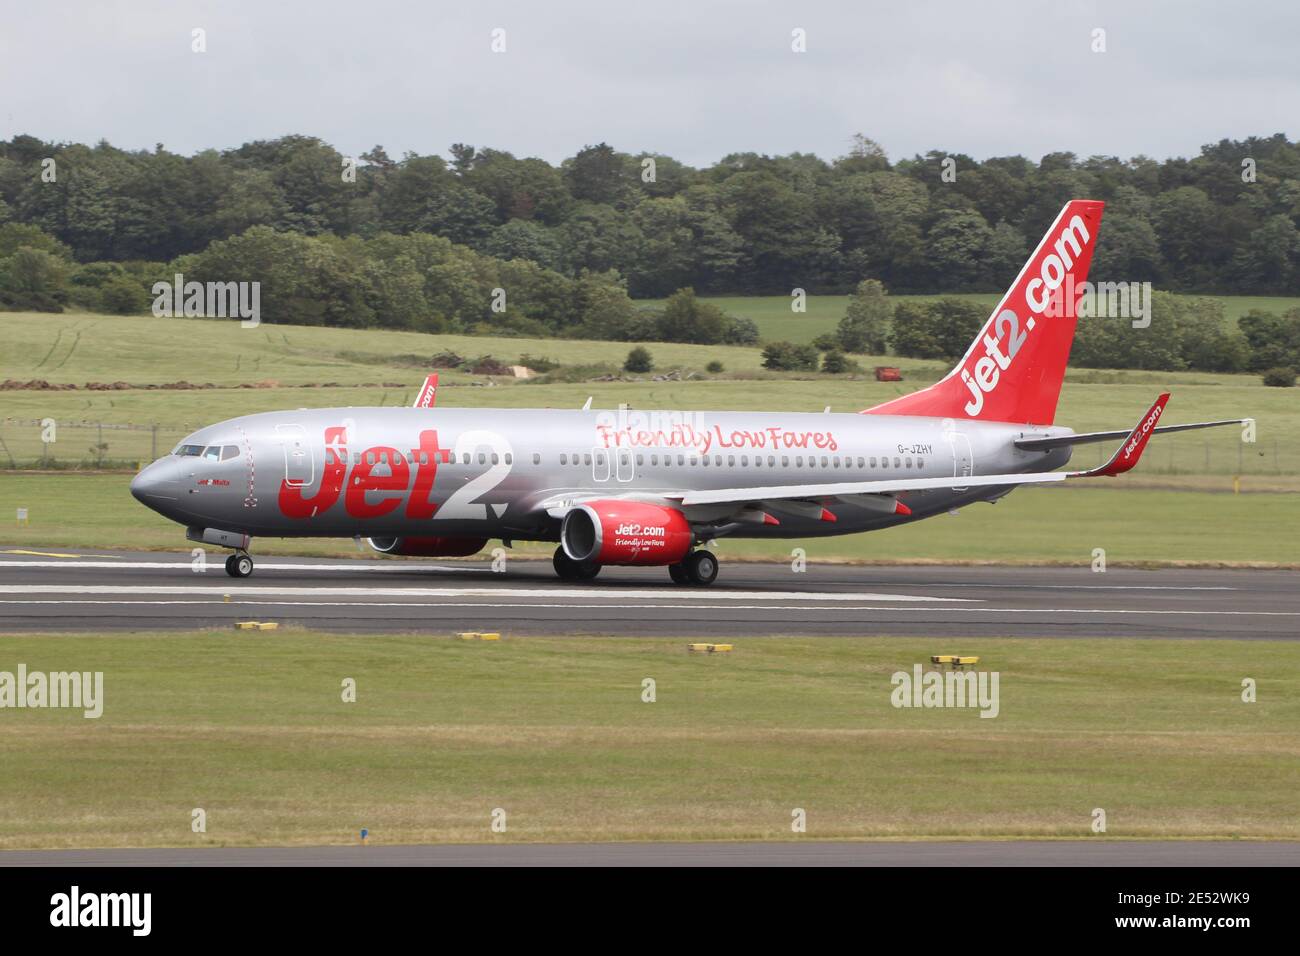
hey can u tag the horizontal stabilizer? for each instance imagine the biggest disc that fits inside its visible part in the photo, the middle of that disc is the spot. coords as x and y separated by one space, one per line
1087 438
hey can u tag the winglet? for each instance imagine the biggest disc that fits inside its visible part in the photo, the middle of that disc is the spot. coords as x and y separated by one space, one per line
1127 455
428 392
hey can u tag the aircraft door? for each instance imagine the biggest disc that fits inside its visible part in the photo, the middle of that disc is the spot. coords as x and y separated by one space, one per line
299 462
963 458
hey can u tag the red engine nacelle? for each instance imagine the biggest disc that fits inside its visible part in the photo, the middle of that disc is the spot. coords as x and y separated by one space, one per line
428 547
626 532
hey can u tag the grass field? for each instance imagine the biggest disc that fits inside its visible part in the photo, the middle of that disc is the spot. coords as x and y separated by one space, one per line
776 320
253 730
1141 526
153 351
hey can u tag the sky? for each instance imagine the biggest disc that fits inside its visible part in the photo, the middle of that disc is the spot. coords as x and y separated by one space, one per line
695 80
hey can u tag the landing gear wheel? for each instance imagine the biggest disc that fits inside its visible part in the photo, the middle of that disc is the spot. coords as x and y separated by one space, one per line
701 568
678 573
239 565
570 570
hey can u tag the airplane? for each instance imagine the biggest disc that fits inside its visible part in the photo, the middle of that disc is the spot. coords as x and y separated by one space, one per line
631 487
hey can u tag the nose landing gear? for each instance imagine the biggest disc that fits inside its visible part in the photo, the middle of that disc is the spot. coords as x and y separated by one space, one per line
239 565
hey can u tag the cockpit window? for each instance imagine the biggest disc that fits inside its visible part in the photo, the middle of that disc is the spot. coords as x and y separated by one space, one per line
212 453
229 451
188 451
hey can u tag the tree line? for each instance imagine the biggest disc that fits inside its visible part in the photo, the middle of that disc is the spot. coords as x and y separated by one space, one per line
1224 221
1178 333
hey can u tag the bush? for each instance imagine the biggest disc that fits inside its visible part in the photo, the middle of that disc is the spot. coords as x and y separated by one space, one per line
639 360
740 331
714 367
488 365
941 329
686 319
540 364
866 320
788 357
1280 378
836 363
827 342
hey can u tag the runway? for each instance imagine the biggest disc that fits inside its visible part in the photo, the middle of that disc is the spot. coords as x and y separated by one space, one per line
60 589
1095 853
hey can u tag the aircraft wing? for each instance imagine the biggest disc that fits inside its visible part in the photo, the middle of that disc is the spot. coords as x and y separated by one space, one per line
1125 457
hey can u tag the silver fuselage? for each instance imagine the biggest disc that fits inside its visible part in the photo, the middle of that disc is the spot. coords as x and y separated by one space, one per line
493 473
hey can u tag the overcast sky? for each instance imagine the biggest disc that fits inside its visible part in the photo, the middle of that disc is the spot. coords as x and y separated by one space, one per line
695 79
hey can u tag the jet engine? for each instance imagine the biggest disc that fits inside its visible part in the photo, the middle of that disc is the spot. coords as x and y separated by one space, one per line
625 532
428 547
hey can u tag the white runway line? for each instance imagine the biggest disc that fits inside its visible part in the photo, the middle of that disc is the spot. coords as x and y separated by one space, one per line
261 565
593 594
842 608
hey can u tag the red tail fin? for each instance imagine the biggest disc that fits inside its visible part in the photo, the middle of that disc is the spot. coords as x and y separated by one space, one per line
1013 370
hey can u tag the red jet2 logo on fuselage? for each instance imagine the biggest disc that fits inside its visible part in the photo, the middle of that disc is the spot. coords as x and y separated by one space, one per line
362 480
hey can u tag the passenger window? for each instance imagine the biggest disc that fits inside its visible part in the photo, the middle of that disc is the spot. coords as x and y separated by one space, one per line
510 459
586 459
771 461
564 459
495 459
705 460
920 463
537 459
744 460
884 463
694 461
897 463
482 458
370 458
873 462
836 461
785 461
464 458
798 461
681 460
909 461
861 464
640 460
823 461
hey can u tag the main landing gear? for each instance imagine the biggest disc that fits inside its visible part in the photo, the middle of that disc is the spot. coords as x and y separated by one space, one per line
699 568
570 570
239 565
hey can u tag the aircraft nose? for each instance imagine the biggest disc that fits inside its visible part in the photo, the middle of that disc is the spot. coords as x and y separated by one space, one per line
155 481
